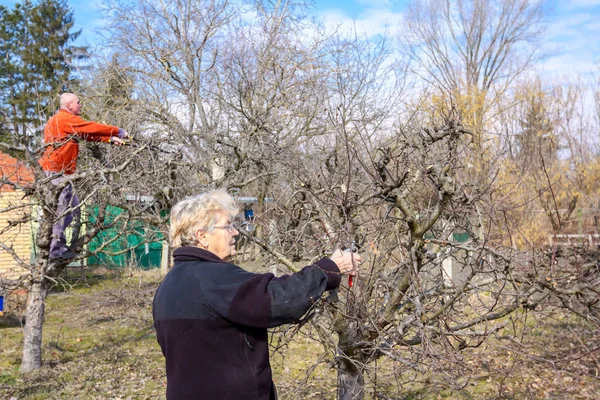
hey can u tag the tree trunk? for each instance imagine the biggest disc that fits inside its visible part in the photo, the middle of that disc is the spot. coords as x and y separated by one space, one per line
32 333
351 382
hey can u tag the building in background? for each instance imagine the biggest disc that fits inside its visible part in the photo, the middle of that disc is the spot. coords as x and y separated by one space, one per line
16 228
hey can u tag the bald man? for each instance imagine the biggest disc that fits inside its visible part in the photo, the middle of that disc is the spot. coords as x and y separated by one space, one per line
62 134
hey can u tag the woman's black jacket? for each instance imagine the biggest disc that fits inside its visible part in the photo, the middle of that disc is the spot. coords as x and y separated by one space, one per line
211 320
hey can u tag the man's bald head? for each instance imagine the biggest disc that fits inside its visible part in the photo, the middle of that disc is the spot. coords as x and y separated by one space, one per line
70 102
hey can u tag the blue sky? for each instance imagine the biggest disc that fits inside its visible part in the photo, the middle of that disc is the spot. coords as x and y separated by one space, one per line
573 32
573 27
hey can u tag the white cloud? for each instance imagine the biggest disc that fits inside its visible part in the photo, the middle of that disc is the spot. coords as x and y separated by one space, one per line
375 3
581 3
565 25
570 65
575 34
371 22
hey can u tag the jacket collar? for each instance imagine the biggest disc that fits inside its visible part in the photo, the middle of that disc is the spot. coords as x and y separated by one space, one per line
191 253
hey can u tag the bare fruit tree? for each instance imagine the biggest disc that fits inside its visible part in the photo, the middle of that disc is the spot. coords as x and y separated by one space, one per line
110 186
436 283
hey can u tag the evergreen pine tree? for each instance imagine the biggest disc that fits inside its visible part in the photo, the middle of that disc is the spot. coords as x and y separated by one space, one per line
37 63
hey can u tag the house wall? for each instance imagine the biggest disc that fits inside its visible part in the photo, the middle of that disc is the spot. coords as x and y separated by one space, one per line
17 237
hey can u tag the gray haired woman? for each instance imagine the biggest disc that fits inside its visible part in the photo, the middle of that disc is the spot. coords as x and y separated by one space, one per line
211 316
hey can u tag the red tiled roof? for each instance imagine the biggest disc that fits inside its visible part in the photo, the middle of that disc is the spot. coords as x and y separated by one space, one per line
14 173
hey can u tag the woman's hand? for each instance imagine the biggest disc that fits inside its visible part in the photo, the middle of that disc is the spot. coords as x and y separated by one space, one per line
346 261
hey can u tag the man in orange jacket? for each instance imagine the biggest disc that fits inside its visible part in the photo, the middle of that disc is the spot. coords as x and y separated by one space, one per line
61 136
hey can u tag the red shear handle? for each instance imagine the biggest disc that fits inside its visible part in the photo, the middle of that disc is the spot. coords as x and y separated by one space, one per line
351 249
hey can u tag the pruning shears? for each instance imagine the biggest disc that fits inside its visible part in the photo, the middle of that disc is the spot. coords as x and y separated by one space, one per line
354 247
351 249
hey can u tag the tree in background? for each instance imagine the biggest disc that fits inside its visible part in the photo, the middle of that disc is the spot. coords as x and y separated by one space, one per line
37 63
473 48
470 53
110 91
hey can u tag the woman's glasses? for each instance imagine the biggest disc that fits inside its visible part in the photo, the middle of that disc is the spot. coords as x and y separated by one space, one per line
230 227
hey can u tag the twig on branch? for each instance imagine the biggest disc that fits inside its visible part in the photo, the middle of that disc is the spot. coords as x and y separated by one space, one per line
280 257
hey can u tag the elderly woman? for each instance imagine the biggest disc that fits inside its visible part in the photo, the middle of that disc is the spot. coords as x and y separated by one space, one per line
211 316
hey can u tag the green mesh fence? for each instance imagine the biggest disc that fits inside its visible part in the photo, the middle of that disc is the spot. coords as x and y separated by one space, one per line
125 243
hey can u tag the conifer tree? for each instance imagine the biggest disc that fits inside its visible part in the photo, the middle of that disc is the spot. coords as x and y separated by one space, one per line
37 58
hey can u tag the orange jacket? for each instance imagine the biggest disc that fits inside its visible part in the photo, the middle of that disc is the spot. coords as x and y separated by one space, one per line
61 136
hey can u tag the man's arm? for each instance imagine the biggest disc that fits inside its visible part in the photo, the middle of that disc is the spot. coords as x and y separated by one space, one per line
93 131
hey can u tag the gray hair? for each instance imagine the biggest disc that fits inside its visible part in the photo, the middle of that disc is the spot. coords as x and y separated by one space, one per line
199 212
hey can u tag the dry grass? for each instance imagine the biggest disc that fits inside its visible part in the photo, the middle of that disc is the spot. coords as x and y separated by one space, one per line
99 344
